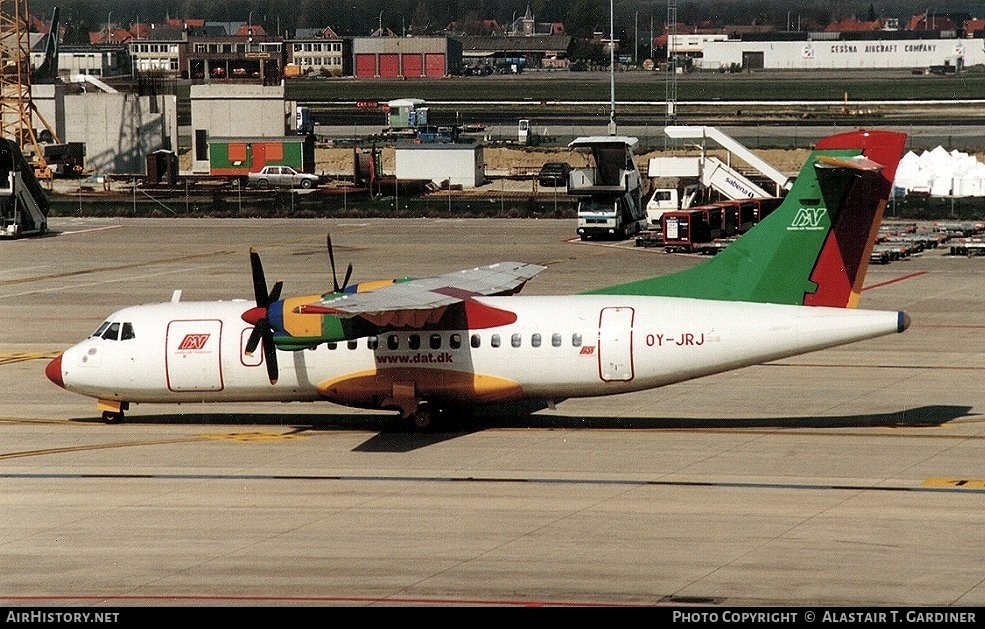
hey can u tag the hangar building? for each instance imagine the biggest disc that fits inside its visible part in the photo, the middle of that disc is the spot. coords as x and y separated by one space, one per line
833 50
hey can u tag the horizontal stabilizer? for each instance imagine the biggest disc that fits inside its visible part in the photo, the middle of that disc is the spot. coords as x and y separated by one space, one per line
855 163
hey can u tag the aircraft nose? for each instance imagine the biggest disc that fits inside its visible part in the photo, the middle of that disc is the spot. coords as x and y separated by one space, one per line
54 371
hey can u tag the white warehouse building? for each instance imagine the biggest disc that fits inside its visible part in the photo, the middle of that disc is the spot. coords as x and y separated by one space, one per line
833 51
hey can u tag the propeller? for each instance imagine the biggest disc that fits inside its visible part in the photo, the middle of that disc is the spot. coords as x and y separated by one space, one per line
331 259
258 316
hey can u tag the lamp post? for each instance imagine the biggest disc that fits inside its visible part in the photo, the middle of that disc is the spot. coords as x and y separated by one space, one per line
612 73
249 28
109 32
651 35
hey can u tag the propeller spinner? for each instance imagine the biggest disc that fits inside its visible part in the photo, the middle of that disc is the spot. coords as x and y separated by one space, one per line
258 316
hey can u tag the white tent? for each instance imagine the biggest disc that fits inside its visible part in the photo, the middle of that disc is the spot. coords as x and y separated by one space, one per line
941 174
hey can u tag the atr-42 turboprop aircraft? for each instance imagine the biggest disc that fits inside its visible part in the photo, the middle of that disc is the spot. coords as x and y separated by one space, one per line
788 286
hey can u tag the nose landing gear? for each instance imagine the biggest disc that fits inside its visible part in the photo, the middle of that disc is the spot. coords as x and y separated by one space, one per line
113 411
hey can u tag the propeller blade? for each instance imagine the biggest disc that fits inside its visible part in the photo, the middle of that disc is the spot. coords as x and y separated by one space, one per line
259 282
270 356
331 260
348 274
256 334
275 293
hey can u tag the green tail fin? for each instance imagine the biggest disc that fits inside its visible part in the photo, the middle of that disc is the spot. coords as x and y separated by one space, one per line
814 248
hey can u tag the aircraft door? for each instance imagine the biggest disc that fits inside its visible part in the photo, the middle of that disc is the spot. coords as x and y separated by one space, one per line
193 353
615 349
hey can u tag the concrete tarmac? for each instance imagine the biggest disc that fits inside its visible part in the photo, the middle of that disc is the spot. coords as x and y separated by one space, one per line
845 477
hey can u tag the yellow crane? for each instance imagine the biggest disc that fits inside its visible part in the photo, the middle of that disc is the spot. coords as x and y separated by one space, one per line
17 110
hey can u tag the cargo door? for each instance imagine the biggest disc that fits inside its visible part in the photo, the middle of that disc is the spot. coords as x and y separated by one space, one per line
413 66
435 65
259 156
753 60
193 353
365 66
615 344
389 66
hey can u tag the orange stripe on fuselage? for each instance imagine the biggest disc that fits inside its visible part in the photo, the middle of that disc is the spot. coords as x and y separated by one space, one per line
366 389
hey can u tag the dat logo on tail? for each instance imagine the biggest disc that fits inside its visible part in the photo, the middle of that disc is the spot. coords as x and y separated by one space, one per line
809 218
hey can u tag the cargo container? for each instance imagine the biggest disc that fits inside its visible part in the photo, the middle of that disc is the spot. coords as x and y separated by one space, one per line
237 157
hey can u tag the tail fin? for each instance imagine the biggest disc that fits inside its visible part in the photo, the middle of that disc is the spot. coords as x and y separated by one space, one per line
812 250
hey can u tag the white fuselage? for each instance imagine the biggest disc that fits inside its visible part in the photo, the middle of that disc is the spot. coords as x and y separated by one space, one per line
558 347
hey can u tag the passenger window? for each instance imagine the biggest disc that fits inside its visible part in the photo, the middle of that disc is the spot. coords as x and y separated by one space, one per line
372 342
353 344
392 342
475 340
494 340
435 341
535 340
127 333
455 341
515 340
102 328
556 339
576 340
112 332
414 342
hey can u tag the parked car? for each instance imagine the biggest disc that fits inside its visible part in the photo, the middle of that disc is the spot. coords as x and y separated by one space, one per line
554 174
282 177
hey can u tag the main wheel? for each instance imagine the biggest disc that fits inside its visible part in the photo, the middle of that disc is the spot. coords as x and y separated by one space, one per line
262 183
423 419
305 183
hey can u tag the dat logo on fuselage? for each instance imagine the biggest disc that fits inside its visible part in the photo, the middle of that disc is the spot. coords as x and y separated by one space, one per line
193 341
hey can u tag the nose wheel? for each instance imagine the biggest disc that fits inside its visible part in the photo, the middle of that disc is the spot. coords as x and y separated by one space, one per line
112 417
112 410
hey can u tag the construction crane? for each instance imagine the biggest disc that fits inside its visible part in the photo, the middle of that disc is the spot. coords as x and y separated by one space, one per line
17 110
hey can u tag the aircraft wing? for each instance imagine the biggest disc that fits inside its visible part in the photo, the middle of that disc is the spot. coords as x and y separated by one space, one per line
419 301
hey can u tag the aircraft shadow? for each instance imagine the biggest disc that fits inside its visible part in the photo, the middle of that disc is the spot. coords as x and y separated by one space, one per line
394 435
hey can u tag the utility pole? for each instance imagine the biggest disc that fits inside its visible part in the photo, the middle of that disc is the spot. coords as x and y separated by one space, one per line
671 74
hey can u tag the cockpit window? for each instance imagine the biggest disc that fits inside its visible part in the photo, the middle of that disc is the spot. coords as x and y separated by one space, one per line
127 332
102 328
112 333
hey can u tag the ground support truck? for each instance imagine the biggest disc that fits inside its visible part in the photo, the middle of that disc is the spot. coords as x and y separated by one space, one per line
610 191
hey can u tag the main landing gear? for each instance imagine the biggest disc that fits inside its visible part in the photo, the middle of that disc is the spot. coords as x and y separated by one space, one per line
431 417
424 418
